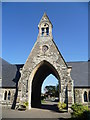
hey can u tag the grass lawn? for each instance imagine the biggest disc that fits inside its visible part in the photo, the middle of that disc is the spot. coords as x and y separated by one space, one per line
43 101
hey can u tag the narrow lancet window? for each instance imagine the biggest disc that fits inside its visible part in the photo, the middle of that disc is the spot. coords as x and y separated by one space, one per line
85 96
5 95
42 31
27 86
47 31
9 94
89 96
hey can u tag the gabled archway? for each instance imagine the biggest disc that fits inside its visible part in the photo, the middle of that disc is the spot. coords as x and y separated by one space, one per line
44 59
44 70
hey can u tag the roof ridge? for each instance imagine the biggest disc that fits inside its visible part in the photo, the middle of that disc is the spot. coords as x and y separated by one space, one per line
76 61
3 60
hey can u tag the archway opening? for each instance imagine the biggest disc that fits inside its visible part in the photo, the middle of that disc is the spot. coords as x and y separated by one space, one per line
50 93
44 70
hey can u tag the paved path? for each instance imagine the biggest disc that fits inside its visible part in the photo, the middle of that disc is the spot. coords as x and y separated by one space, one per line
47 111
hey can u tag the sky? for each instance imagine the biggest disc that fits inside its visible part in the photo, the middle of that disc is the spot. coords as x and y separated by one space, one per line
20 30
89 31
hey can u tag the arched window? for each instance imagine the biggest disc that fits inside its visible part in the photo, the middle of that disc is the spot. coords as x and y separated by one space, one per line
5 95
9 94
47 30
27 86
85 96
42 31
89 96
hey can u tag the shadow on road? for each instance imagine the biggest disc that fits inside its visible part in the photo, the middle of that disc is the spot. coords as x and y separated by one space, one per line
50 107
38 119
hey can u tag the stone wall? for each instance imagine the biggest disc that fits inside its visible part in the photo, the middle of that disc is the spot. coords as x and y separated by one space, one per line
79 94
53 56
9 93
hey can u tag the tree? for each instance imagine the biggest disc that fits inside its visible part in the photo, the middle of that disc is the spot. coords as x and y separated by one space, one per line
57 90
52 90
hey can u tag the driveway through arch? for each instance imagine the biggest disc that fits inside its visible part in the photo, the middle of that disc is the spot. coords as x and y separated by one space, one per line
42 70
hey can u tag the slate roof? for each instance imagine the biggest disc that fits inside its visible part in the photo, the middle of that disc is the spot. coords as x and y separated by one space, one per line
10 74
79 73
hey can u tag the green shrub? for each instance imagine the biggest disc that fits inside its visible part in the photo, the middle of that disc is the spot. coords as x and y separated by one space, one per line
42 97
26 104
86 115
61 105
21 107
78 110
43 101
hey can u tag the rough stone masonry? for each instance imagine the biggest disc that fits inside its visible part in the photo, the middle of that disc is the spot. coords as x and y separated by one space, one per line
44 59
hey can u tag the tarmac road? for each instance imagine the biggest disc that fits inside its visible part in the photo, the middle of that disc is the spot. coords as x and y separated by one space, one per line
48 110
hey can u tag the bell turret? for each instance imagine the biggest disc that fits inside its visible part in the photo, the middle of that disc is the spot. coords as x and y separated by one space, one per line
45 26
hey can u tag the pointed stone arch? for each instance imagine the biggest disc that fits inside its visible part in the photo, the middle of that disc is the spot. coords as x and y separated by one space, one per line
38 75
61 73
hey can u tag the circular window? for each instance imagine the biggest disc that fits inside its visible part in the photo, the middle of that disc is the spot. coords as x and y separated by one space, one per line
44 48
